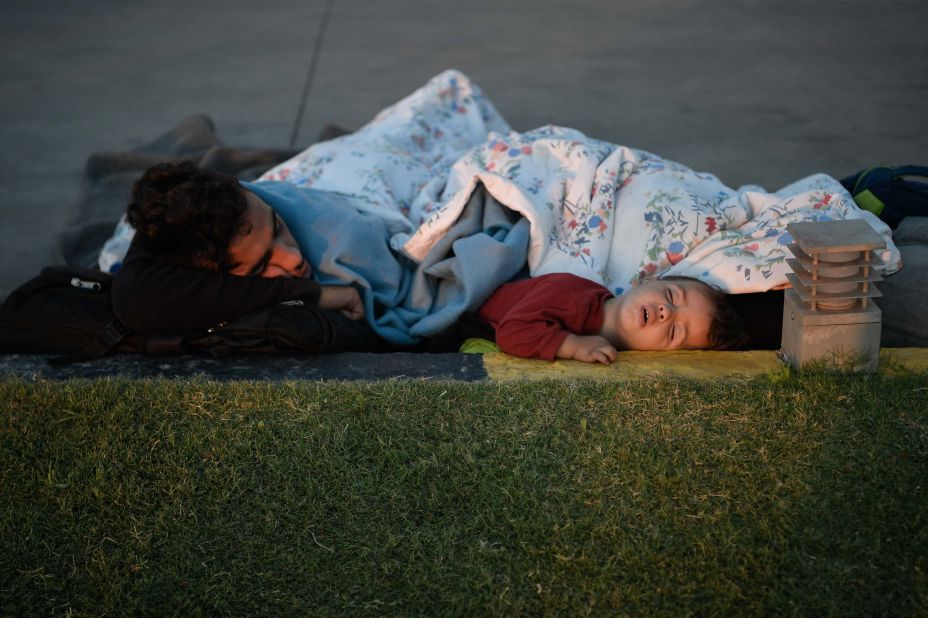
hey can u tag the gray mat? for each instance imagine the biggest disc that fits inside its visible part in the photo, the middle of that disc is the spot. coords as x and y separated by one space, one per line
340 366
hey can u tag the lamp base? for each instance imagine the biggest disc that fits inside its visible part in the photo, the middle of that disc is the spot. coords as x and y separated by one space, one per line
847 340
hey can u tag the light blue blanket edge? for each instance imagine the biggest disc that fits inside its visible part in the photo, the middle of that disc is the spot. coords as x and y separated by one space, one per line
403 301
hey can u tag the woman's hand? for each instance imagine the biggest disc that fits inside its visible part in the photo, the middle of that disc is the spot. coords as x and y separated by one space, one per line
588 348
344 299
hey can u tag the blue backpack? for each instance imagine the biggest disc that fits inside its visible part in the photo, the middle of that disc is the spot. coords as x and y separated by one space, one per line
891 193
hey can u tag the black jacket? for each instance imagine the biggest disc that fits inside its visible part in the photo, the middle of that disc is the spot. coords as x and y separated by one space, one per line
151 295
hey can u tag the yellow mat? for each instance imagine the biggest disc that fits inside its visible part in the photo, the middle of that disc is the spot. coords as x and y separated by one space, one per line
697 364
904 359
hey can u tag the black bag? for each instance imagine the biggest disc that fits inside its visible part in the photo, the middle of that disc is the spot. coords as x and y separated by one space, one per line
291 326
65 310
891 193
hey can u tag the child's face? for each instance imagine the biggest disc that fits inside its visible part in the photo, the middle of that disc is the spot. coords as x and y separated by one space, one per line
662 315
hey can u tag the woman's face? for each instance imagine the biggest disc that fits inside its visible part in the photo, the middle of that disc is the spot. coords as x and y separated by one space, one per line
265 248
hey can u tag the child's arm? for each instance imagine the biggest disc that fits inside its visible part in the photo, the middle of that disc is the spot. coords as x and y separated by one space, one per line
535 318
587 348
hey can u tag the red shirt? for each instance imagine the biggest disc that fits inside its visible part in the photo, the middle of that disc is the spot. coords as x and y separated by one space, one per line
532 317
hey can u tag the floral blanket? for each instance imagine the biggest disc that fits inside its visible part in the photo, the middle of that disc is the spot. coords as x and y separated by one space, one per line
609 213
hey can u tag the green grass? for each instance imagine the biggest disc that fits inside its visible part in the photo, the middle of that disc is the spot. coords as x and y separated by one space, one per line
800 495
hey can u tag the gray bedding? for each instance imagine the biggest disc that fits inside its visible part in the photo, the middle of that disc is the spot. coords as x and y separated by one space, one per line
905 294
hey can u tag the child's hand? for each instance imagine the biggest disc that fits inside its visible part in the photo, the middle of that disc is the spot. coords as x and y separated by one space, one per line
342 298
594 349
588 348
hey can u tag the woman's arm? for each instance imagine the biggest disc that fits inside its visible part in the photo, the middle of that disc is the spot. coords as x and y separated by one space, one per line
153 296
343 299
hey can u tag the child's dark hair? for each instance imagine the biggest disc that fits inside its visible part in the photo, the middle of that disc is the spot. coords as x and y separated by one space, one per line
187 215
726 331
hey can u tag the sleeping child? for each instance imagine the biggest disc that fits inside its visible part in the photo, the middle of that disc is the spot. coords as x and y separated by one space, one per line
565 316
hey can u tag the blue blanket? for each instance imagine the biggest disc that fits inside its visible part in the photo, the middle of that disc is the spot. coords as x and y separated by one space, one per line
403 300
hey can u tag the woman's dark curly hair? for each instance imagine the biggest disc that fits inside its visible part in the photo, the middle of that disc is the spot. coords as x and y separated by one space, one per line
187 215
